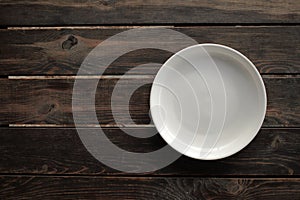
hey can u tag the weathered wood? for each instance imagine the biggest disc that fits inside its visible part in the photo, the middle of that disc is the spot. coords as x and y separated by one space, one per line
55 12
33 187
5 100
52 52
273 152
49 101
51 162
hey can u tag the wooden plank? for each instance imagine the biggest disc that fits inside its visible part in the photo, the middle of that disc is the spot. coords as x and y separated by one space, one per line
5 100
49 101
32 187
55 12
273 152
51 52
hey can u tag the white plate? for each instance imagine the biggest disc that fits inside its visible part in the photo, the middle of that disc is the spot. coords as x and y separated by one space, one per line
208 101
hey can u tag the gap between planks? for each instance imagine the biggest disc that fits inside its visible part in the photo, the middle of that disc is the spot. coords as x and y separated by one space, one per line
129 126
82 77
152 176
85 27
81 126
152 25
125 76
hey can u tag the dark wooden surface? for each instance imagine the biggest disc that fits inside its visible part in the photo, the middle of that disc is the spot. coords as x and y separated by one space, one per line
59 151
273 49
31 12
16 187
42 45
49 101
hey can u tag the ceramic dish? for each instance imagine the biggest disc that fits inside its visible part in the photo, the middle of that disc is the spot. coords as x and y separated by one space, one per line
208 101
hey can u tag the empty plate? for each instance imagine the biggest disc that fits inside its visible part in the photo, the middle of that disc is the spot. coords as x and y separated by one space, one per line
208 101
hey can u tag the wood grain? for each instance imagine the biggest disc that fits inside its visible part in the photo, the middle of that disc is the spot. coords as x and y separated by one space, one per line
48 162
30 12
49 101
15 187
273 152
52 52
5 99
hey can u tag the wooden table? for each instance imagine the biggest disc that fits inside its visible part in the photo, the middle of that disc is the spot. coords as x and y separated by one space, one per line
43 44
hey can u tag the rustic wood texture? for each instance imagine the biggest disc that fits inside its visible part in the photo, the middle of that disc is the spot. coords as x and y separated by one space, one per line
273 152
60 52
49 101
55 12
5 95
16 187
42 45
